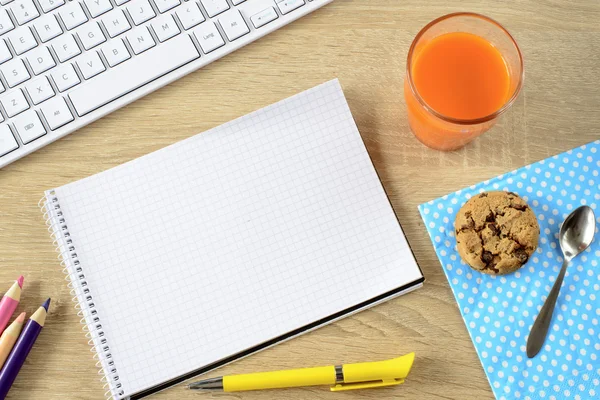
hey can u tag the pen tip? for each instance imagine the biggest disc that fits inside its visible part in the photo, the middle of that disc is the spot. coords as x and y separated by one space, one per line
20 281
21 318
46 304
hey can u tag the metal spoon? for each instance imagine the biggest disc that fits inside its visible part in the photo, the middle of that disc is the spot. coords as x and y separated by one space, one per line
576 234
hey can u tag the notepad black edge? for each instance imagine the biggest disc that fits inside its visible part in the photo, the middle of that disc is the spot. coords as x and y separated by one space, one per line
295 332
281 338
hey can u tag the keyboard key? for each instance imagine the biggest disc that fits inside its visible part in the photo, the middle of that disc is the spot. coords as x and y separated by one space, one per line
190 15
5 2
72 15
165 27
115 23
40 60
285 6
65 77
91 35
39 90
22 40
8 142
4 52
90 64
140 11
165 5
14 102
29 127
98 7
214 7
65 47
234 25
49 5
24 11
264 17
140 40
47 27
209 37
6 23
14 72
56 112
133 74
115 52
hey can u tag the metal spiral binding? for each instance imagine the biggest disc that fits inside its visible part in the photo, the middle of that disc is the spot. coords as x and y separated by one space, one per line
82 297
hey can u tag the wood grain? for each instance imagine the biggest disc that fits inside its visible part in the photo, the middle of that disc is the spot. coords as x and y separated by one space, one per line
364 43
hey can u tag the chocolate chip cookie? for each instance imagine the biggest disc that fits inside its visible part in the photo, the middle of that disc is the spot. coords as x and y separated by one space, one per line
496 232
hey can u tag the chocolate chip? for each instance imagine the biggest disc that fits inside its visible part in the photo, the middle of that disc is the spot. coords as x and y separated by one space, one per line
492 266
468 214
519 207
521 255
483 195
490 217
470 224
494 228
487 257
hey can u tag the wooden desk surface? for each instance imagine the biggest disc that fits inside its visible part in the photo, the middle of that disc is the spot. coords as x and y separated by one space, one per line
364 43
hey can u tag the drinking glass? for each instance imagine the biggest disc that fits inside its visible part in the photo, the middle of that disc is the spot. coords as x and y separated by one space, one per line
444 132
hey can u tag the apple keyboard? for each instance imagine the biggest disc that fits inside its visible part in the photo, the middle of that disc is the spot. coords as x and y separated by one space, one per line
64 64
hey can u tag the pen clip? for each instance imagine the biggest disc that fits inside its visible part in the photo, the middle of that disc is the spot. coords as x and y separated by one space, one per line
365 385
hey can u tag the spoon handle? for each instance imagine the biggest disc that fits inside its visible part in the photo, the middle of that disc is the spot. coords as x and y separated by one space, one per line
538 333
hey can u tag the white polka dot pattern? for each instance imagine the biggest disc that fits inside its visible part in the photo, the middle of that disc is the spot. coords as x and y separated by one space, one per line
500 310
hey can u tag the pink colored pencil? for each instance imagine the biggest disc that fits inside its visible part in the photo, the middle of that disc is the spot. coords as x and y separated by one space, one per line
9 337
9 303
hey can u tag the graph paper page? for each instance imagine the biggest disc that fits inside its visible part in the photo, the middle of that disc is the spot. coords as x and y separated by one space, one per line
235 236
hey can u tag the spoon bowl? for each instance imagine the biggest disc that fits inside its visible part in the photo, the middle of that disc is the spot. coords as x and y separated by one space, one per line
576 234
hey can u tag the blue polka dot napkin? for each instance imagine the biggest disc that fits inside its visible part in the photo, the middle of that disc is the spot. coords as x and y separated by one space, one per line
500 310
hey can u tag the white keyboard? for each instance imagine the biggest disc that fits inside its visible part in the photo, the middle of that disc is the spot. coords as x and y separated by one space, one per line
64 64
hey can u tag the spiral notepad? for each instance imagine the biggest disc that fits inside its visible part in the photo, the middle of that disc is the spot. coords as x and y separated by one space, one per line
229 242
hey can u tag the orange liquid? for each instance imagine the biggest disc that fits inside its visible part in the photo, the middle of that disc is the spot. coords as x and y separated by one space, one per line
461 75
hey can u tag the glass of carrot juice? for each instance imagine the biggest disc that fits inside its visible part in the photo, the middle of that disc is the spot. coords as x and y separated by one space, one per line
463 71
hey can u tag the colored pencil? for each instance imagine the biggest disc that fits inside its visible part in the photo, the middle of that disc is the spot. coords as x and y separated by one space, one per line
9 337
19 353
9 303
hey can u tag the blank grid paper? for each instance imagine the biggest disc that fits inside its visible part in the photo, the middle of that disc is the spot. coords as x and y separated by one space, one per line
235 236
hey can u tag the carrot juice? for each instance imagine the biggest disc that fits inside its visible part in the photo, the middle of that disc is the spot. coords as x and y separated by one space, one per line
459 82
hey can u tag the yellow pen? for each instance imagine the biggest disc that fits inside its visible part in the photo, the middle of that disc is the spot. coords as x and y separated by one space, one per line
340 377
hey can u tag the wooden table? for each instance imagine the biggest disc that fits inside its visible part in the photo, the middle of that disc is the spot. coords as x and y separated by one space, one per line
364 43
